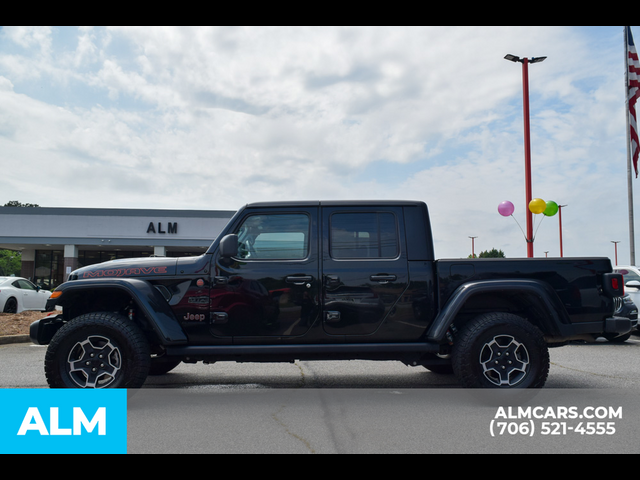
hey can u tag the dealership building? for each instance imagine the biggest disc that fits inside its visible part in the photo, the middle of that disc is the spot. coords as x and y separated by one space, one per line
55 241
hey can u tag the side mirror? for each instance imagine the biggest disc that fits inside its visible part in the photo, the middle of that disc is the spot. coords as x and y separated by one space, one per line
632 284
229 246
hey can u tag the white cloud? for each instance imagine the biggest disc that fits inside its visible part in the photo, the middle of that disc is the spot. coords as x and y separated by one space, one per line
215 117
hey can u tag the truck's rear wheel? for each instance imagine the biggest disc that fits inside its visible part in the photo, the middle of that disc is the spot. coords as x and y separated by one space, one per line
98 350
500 350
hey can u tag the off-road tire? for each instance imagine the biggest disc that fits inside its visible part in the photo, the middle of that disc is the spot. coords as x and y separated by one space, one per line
98 350
500 350
614 338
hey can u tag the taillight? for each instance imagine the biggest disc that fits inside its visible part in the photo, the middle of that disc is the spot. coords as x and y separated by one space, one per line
613 285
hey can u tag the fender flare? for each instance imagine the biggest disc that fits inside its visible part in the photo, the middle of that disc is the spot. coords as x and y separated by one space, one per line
145 295
549 303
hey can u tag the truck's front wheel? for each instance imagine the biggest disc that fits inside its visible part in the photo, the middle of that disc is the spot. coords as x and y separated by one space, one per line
500 350
98 350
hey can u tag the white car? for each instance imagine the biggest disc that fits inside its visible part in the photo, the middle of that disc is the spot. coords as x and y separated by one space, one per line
631 277
18 294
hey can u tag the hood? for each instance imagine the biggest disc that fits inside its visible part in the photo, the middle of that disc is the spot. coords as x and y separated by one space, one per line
128 267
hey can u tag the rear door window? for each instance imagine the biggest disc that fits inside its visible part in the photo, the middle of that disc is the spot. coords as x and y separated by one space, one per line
364 236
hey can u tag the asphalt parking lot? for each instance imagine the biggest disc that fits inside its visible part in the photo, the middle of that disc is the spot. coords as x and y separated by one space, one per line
598 365
358 406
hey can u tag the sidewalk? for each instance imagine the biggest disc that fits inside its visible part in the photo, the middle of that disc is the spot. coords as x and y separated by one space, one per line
14 339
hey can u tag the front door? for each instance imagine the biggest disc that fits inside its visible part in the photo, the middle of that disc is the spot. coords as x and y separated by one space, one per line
272 287
29 292
365 269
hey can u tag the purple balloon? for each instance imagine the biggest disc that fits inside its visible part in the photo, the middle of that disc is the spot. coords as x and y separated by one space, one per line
506 208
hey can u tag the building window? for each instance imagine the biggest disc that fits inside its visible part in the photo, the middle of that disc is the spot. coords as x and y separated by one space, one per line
49 269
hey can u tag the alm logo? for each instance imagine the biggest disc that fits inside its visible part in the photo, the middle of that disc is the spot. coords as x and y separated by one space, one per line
33 421
62 420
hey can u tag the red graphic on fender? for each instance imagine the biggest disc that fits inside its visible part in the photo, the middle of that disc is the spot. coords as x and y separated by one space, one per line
124 272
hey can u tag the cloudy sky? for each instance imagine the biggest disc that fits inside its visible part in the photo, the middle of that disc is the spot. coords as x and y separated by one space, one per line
213 118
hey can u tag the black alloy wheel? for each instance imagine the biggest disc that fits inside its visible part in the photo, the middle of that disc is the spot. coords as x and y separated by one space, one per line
98 350
500 350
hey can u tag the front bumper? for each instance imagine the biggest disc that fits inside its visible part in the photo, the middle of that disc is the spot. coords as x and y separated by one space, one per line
42 331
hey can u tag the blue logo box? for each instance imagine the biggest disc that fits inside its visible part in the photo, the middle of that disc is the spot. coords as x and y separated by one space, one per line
63 421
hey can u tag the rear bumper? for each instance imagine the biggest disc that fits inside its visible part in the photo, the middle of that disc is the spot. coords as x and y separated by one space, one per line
620 325
612 326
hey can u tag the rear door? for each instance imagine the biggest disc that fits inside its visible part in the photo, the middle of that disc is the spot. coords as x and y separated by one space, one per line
365 269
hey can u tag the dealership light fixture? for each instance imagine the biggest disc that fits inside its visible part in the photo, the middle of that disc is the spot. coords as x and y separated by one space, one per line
527 141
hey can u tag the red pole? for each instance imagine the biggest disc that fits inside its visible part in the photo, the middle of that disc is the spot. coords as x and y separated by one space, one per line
616 249
560 221
527 154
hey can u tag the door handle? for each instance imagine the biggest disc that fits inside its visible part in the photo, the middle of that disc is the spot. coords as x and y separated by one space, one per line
331 280
332 316
219 317
383 278
299 279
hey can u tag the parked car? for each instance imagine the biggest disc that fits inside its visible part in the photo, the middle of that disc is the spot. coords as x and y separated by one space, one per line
627 308
18 294
631 276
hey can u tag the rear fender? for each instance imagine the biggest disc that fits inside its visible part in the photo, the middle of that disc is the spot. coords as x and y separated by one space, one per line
547 301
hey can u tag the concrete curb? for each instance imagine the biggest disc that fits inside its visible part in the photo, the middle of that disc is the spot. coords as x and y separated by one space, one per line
8 339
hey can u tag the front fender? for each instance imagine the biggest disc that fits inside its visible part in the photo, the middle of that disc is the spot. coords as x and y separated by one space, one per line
147 298
547 300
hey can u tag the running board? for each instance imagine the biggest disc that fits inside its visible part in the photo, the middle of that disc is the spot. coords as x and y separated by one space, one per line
301 351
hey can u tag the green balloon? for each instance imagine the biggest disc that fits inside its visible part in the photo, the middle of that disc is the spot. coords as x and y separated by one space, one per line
551 210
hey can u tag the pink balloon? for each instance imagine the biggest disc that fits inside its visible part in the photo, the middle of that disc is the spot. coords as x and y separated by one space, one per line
506 208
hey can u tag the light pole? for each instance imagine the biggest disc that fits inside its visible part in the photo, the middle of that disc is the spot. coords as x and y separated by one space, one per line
616 242
473 253
527 141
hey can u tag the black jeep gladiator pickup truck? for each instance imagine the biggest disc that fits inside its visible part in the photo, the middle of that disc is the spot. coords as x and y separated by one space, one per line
326 281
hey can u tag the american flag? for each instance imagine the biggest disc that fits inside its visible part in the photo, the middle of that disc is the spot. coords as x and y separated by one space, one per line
633 92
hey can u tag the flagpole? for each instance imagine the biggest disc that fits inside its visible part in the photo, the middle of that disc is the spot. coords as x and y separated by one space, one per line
632 241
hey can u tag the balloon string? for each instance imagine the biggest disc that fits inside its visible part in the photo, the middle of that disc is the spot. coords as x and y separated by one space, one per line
536 232
523 234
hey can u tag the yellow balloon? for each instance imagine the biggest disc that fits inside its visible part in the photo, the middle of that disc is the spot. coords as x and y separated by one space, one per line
537 205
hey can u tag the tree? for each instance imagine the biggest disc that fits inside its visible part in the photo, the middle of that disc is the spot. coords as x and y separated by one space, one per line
10 263
493 253
15 203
